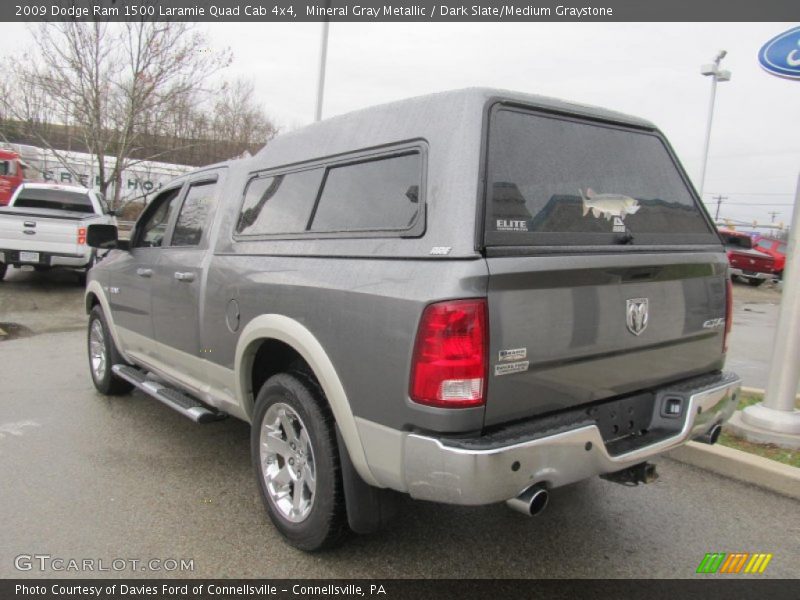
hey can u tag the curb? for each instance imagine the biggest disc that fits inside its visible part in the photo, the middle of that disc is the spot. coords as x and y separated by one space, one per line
741 466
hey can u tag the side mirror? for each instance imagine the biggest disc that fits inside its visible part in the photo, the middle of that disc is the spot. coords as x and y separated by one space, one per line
111 212
104 237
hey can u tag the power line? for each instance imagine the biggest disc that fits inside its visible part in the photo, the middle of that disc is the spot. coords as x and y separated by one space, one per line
754 193
756 204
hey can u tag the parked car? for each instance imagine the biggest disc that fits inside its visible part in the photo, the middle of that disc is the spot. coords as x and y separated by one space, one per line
44 227
12 174
747 264
776 249
470 297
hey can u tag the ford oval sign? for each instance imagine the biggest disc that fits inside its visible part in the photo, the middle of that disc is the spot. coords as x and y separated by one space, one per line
781 55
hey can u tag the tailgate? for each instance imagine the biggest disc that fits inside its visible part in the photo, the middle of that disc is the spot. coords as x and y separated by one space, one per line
751 260
566 332
40 234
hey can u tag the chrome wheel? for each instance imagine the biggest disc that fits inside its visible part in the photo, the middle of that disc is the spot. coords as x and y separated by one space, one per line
97 350
287 462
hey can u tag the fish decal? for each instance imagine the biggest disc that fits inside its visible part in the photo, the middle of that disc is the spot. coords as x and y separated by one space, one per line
608 205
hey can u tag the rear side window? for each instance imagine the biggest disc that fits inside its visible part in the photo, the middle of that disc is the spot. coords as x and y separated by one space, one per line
556 181
373 195
194 215
54 200
279 204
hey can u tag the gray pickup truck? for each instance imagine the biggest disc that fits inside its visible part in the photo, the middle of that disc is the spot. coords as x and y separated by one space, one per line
470 297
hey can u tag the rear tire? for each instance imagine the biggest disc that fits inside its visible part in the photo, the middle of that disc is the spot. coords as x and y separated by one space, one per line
3 267
296 459
755 282
103 354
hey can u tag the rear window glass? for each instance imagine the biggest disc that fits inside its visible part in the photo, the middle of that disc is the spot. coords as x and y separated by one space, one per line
737 241
374 195
54 199
279 204
555 181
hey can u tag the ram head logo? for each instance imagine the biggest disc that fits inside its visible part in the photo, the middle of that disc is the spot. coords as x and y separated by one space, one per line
637 315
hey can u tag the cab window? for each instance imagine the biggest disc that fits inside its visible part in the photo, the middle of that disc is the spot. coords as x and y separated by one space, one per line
153 226
194 216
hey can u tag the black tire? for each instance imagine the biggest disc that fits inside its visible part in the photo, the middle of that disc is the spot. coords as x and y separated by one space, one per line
107 383
755 282
3 267
325 525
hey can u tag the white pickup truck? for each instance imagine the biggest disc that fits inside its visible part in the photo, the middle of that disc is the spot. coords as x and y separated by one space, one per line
44 227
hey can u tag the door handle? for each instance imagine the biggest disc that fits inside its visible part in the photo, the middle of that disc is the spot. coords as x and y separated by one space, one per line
184 276
144 272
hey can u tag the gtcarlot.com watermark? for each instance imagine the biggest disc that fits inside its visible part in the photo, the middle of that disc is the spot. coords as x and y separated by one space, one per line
44 563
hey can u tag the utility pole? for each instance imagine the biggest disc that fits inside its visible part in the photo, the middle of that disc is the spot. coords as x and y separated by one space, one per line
773 214
716 75
719 200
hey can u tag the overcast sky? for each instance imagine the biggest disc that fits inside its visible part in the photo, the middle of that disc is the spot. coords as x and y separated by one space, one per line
650 70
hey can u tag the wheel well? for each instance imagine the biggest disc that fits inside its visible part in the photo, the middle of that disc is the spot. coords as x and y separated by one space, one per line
273 357
91 301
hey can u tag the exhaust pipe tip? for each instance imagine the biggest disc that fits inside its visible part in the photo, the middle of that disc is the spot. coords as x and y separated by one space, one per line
531 502
712 435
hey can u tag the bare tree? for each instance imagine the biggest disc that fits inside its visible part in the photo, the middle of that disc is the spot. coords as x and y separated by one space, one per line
113 80
237 117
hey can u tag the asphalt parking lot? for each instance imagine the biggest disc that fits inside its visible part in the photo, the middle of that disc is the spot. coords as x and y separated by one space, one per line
89 477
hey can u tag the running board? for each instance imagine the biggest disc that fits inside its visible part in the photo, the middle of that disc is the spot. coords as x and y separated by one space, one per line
183 403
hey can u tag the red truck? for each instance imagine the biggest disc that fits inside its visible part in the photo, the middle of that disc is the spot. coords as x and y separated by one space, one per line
747 264
11 174
776 249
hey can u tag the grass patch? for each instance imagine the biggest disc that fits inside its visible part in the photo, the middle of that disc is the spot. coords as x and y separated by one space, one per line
782 455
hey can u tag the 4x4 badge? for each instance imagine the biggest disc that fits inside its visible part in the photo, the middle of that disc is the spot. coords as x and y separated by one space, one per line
637 314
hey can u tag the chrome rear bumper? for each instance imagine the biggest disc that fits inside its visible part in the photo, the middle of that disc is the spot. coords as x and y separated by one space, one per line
440 471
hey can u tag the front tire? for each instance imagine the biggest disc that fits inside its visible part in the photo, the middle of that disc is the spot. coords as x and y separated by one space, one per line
3 268
296 459
103 354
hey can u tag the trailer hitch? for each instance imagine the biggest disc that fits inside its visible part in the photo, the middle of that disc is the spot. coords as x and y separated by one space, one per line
642 473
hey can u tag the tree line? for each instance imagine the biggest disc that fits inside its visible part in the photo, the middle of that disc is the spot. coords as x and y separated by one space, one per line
131 92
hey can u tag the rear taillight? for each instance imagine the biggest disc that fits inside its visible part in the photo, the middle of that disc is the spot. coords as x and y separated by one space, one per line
728 314
449 365
81 236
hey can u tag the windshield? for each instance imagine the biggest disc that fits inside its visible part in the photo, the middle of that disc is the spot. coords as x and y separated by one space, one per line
54 199
557 181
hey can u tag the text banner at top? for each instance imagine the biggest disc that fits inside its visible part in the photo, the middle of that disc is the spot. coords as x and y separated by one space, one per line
401 10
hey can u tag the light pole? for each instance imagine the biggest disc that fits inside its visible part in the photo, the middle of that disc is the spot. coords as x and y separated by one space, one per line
716 74
323 59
